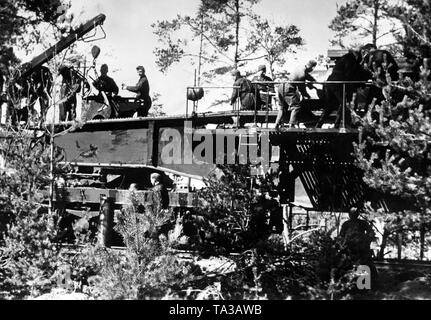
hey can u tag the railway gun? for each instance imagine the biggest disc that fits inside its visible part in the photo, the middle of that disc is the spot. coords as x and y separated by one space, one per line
111 150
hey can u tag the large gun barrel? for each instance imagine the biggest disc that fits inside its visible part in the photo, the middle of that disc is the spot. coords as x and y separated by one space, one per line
75 35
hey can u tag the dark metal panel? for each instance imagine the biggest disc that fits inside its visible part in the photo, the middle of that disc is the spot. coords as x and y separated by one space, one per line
114 147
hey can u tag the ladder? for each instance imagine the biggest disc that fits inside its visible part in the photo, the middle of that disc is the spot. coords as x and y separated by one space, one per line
248 150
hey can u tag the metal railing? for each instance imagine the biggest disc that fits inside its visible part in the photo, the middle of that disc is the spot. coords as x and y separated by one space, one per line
237 101
237 106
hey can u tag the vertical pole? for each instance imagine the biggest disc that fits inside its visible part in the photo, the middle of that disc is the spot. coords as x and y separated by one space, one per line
51 160
268 97
237 107
187 102
106 221
344 108
194 102
290 217
255 106
2 105
422 240
399 244
82 93
286 234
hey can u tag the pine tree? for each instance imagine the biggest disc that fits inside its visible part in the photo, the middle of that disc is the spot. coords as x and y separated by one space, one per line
395 152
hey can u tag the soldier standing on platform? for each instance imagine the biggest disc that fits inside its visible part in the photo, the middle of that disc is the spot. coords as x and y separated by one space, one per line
105 83
290 95
289 99
142 90
264 90
246 92
69 88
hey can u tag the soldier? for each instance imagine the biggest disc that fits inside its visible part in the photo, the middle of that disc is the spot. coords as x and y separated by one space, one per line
303 74
383 68
290 95
356 235
265 90
41 80
246 92
355 240
105 83
142 90
159 205
159 196
69 88
289 100
348 68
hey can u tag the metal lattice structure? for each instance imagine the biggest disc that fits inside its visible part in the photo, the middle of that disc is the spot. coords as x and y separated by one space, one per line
323 161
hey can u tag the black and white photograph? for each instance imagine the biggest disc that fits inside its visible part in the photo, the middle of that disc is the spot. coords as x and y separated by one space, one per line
215 155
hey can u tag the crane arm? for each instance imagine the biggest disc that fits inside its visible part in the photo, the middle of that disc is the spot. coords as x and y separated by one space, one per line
64 43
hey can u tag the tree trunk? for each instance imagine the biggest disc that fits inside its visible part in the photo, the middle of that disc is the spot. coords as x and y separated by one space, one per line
375 20
385 237
271 69
201 50
237 23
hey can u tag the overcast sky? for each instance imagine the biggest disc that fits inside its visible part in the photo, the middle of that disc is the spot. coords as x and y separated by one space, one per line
130 40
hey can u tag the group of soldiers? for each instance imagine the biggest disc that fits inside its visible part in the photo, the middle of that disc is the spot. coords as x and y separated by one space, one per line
22 92
259 92
106 85
352 71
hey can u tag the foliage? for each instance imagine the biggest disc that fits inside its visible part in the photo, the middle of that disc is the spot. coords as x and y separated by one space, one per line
273 41
212 24
156 107
146 269
29 253
406 21
394 153
363 17
248 38
233 211
415 34
18 17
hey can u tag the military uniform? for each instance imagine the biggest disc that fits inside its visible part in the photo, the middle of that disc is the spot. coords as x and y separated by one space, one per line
159 205
301 75
289 100
142 90
355 239
347 68
69 88
356 235
246 94
264 90
106 84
